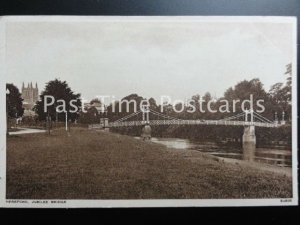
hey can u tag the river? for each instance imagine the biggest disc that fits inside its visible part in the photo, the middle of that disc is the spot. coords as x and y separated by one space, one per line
264 155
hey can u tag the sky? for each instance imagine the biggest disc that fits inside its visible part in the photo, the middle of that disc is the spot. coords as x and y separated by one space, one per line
176 57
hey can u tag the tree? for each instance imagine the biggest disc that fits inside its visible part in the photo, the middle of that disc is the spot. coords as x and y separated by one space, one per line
60 90
276 92
14 102
153 105
281 95
243 90
287 89
95 100
90 116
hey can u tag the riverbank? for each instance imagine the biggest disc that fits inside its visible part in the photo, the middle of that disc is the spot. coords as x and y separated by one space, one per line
279 138
279 158
195 156
91 164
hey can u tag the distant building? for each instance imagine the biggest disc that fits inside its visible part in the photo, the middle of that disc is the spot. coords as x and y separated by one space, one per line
30 96
95 105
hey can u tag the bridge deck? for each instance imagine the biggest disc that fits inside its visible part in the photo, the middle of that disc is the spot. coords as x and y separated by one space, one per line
186 122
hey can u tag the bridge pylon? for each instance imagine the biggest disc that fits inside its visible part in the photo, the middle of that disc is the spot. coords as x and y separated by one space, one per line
251 113
249 137
145 113
146 130
104 123
249 143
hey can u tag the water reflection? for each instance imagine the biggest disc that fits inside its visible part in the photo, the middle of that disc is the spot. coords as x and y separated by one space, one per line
249 150
270 156
176 143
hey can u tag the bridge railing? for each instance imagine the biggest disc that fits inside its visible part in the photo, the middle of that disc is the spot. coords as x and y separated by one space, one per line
126 124
96 126
191 122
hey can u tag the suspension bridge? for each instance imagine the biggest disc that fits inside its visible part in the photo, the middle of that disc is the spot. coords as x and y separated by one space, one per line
142 117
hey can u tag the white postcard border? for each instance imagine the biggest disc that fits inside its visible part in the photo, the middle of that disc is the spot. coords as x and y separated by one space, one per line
61 203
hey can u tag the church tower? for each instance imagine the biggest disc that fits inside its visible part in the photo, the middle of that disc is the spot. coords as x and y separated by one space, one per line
30 95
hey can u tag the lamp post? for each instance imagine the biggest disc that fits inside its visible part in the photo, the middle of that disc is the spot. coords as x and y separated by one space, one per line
66 121
282 119
48 124
7 100
102 111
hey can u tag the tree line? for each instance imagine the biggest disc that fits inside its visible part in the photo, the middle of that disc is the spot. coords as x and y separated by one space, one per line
276 100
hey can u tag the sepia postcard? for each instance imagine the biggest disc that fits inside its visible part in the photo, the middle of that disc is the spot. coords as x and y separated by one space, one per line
137 111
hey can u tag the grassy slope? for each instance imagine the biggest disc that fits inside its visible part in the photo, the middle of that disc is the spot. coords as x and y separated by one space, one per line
98 165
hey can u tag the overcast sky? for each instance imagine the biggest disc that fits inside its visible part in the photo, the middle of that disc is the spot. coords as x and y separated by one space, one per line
147 57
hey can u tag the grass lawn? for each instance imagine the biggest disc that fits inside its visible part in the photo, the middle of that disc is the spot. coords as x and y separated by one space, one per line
98 165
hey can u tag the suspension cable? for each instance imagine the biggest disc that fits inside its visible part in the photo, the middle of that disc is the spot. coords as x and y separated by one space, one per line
262 117
128 116
164 116
235 116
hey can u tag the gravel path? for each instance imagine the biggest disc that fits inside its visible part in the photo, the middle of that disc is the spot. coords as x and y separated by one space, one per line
26 131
